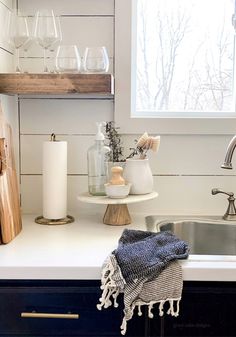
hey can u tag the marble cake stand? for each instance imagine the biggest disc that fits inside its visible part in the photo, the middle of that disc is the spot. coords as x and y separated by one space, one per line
117 212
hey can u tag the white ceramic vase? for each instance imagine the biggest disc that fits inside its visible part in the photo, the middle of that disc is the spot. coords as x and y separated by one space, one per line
138 173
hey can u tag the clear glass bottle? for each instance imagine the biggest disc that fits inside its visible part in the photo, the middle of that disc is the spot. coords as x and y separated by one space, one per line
98 159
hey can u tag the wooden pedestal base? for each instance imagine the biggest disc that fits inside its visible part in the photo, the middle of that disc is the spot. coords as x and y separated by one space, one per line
117 215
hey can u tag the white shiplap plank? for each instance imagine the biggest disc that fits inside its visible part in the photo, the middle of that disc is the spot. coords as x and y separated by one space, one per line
189 155
63 116
177 195
4 21
8 3
188 195
31 153
83 32
204 154
6 62
31 195
69 7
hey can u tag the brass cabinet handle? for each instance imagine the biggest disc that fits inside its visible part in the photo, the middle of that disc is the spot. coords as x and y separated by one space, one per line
48 315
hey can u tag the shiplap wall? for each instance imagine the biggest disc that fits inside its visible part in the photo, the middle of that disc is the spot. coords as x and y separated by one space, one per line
6 53
186 167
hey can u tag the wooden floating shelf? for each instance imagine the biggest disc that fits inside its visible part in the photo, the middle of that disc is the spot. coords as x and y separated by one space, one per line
56 84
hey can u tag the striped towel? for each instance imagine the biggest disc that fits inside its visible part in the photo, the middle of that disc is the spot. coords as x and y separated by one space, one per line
145 269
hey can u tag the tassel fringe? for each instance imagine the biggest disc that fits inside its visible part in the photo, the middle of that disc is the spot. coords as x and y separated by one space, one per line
171 311
108 287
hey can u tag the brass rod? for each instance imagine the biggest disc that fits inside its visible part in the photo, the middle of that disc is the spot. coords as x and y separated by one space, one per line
48 315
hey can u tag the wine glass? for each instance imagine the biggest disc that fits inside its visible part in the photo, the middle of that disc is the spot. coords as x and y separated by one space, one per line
31 40
45 31
25 49
18 35
68 59
96 60
55 45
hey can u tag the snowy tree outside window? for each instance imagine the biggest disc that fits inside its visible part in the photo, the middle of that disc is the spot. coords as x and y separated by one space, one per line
185 57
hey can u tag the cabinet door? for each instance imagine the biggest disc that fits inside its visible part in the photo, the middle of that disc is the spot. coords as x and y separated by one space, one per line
56 298
206 309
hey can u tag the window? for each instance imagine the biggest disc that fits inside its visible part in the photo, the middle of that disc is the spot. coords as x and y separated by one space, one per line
175 66
185 56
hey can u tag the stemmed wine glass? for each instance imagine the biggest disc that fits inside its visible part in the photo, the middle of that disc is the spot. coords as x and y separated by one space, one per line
45 31
55 45
18 35
25 49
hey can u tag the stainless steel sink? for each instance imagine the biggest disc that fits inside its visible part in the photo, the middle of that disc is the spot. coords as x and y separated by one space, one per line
204 236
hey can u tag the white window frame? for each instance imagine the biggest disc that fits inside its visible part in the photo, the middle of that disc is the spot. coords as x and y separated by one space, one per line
124 71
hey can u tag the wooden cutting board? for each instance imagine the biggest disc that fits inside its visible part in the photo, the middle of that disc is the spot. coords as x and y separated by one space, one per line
10 214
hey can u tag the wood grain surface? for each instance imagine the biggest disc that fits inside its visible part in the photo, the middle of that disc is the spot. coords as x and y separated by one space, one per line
56 83
10 214
117 215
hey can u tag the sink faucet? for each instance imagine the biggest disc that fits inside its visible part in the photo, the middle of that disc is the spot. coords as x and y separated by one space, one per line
230 213
229 154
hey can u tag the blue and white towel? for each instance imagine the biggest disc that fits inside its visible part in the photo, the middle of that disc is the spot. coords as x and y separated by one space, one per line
145 269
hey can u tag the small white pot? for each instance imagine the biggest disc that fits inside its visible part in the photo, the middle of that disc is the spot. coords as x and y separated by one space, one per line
117 191
138 173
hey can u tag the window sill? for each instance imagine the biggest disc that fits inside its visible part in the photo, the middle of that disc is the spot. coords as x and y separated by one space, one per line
180 125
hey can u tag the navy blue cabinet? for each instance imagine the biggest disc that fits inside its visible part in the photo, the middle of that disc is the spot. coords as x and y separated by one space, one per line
207 309
59 297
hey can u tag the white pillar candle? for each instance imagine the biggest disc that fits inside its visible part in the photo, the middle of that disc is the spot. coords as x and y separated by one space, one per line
54 179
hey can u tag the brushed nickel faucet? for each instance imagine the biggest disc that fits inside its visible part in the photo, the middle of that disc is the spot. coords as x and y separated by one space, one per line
230 213
229 154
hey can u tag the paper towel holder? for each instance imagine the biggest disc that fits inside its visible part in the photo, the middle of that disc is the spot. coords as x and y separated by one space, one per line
62 221
43 221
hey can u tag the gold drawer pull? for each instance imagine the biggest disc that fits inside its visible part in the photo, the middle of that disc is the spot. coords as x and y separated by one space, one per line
48 315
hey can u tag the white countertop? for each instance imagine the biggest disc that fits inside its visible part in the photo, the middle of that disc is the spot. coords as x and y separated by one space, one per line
78 250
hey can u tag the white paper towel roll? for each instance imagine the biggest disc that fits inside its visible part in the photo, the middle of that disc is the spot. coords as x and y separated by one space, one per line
54 179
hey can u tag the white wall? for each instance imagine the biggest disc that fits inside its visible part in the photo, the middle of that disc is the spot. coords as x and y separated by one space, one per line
6 55
186 167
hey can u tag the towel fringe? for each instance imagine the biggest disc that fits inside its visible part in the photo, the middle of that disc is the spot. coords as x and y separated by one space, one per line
139 310
108 286
115 295
161 304
123 326
150 314
171 311
107 272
